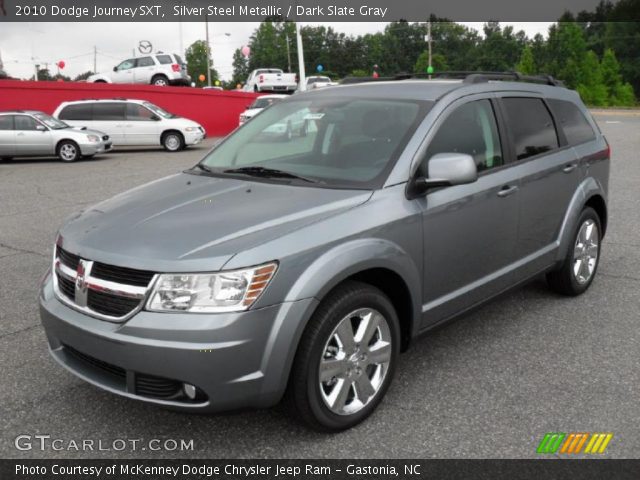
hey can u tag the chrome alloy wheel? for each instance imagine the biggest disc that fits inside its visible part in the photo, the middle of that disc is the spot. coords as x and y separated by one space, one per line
172 142
355 361
68 152
585 252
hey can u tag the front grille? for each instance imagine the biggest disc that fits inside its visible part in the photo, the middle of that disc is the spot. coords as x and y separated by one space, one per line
129 276
66 286
69 259
111 305
105 367
157 387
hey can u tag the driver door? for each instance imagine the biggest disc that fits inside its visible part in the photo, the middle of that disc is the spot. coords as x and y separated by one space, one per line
123 73
469 231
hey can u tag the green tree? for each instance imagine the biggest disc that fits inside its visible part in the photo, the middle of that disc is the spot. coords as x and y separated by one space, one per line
83 76
240 68
196 56
526 65
591 87
618 91
566 51
438 62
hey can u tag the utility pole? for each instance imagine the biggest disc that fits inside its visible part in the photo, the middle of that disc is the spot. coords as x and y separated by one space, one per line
429 40
206 21
95 59
303 79
286 33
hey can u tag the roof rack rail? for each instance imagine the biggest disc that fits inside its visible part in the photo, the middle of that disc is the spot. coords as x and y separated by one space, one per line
468 77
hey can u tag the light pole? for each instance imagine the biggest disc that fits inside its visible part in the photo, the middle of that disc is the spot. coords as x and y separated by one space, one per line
303 79
206 21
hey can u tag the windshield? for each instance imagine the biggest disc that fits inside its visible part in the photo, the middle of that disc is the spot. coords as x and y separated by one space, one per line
158 111
337 142
263 102
50 121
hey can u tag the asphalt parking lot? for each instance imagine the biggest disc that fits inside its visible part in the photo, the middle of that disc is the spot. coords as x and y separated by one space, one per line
488 385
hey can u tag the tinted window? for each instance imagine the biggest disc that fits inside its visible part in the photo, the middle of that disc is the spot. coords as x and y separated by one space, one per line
6 122
23 122
138 112
164 59
531 125
179 60
81 111
127 64
145 62
470 129
574 124
108 111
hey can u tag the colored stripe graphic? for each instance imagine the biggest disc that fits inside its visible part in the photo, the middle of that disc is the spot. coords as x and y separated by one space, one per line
598 442
574 443
551 442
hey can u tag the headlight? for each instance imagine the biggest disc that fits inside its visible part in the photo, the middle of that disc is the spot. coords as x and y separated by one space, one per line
93 138
191 129
231 291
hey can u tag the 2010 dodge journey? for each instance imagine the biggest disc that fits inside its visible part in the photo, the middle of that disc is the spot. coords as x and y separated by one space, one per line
299 265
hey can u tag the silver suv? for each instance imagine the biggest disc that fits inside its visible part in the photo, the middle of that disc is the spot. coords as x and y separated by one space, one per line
301 266
159 69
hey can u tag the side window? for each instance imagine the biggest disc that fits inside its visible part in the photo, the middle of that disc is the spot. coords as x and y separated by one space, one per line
470 129
24 122
164 59
145 62
574 124
138 112
531 125
108 111
6 122
80 111
127 64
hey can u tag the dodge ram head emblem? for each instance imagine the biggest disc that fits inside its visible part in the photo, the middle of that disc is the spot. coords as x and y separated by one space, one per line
81 283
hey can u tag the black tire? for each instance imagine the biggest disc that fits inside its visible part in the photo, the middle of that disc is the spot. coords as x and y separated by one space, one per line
99 81
160 81
172 141
68 151
304 397
564 280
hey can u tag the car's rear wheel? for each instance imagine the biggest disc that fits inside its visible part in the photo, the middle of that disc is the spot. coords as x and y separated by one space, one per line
581 263
160 81
346 358
100 81
68 151
173 141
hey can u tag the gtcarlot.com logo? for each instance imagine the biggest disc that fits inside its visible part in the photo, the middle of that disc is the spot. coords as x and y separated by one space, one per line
48 443
573 443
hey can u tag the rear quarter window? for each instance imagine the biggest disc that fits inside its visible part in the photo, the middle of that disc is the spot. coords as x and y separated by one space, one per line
164 59
531 126
108 111
573 122
76 112
6 122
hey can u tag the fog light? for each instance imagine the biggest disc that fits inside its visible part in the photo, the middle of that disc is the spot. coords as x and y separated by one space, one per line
189 391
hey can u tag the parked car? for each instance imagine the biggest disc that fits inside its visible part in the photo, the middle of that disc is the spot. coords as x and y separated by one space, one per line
271 80
319 82
132 122
159 69
31 133
258 105
314 262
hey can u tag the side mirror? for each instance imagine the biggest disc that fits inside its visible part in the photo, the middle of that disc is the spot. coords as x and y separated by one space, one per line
41 128
155 118
115 69
448 169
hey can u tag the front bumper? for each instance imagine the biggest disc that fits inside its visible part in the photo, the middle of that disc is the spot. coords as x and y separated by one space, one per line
95 148
194 137
234 360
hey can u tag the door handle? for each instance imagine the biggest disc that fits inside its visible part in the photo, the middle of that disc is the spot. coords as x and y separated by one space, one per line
570 168
507 190
20 134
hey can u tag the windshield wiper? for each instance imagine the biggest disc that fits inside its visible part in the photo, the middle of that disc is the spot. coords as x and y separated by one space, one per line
268 173
204 168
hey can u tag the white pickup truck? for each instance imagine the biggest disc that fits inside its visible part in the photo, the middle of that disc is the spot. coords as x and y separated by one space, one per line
271 80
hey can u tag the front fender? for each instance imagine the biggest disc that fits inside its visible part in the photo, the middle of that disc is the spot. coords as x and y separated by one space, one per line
587 189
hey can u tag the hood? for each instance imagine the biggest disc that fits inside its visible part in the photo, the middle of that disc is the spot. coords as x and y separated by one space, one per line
180 122
197 223
86 131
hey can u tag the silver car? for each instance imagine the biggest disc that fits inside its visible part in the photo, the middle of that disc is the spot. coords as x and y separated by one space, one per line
159 69
34 134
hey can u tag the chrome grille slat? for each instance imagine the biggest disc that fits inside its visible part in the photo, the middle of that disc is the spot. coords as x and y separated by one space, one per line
104 291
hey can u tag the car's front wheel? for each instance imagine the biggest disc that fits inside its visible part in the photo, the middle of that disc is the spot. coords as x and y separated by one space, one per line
581 263
68 151
173 141
346 358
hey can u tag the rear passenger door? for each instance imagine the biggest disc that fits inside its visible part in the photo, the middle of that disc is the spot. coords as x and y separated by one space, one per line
469 231
7 136
144 70
549 176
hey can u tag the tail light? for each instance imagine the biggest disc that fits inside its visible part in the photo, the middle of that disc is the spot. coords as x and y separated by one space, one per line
261 78
175 67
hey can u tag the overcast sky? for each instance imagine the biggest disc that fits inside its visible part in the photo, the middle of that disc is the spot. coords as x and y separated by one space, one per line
74 42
